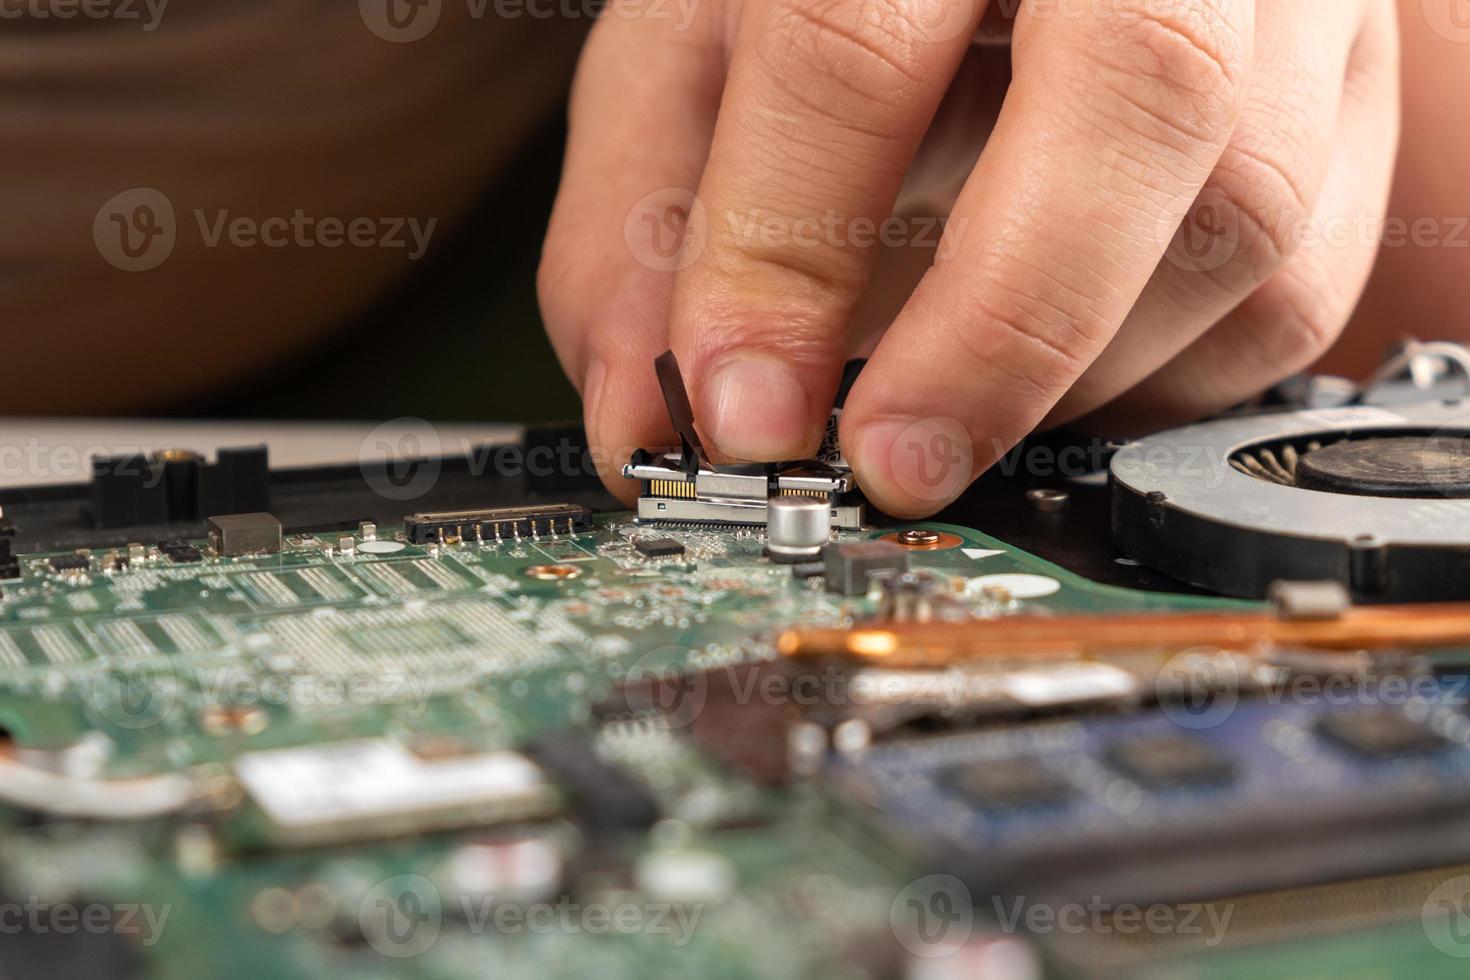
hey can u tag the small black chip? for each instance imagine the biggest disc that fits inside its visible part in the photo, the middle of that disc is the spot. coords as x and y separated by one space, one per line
1379 734
235 535
180 552
1169 761
658 547
70 563
605 799
1010 783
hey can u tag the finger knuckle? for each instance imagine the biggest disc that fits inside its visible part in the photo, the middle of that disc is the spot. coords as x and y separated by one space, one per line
1269 204
777 255
1052 343
793 330
1184 62
870 52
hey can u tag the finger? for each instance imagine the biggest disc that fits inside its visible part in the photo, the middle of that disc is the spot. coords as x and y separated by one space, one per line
1244 226
1289 322
825 104
1113 123
642 111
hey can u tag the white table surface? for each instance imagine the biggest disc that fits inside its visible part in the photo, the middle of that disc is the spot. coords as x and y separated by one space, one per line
44 451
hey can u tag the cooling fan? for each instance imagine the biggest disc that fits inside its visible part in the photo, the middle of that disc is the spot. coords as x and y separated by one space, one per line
1376 498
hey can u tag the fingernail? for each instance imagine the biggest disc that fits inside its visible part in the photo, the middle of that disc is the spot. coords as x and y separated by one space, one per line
914 466
758 409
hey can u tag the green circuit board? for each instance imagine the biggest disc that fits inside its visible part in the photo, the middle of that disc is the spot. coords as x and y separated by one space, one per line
418 638
216 679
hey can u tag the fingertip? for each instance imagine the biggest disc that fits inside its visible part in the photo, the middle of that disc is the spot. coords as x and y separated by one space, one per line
623 413
912 467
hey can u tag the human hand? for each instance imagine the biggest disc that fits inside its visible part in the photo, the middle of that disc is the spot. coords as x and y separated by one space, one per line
1167 218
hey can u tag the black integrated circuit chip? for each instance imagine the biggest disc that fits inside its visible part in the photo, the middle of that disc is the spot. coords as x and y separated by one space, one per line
70 563
658 547
1169 761
180 552
1379 734
604 797
1010 783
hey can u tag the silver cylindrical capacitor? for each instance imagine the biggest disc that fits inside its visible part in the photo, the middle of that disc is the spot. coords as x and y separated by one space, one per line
797 527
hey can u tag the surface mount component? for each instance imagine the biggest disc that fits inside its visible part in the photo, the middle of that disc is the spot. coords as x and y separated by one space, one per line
1377 499
232 535
9 563
796 528
682 487
1380 733
70 563
1022 782
496 524
658 547
1168 761
180 552
379 786
852 565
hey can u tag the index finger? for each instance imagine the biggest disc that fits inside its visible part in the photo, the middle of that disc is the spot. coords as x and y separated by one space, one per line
1113 124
